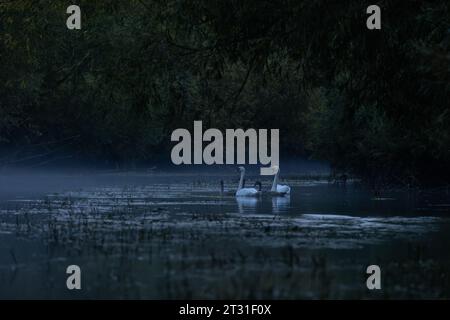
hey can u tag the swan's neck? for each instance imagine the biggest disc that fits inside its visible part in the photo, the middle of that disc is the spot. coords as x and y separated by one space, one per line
241 181
275 181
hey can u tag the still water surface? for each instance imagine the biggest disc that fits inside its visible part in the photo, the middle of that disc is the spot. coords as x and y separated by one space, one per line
176 236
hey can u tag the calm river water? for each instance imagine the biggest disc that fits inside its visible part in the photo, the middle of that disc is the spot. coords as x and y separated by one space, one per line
163 236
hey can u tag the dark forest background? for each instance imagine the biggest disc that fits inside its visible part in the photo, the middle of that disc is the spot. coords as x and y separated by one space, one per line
372 103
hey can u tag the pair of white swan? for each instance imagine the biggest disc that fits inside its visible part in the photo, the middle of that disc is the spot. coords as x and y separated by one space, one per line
276 189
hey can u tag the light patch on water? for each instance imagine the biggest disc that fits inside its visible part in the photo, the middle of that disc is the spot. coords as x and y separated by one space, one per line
111 209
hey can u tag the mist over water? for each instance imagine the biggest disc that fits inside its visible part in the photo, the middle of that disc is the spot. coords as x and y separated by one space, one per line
173 234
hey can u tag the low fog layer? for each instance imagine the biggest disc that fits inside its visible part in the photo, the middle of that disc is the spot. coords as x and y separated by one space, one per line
20 182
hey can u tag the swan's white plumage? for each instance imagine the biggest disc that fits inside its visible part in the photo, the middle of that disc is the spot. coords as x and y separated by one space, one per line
245 192
279 188
283 189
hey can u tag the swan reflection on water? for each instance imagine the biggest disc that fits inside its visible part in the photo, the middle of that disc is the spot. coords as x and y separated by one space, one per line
281 204
247 204
266 205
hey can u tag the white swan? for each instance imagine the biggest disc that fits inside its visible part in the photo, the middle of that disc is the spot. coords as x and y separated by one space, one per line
279 188
245 192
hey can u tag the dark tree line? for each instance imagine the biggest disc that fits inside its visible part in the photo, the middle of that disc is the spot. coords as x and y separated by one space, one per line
375 103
